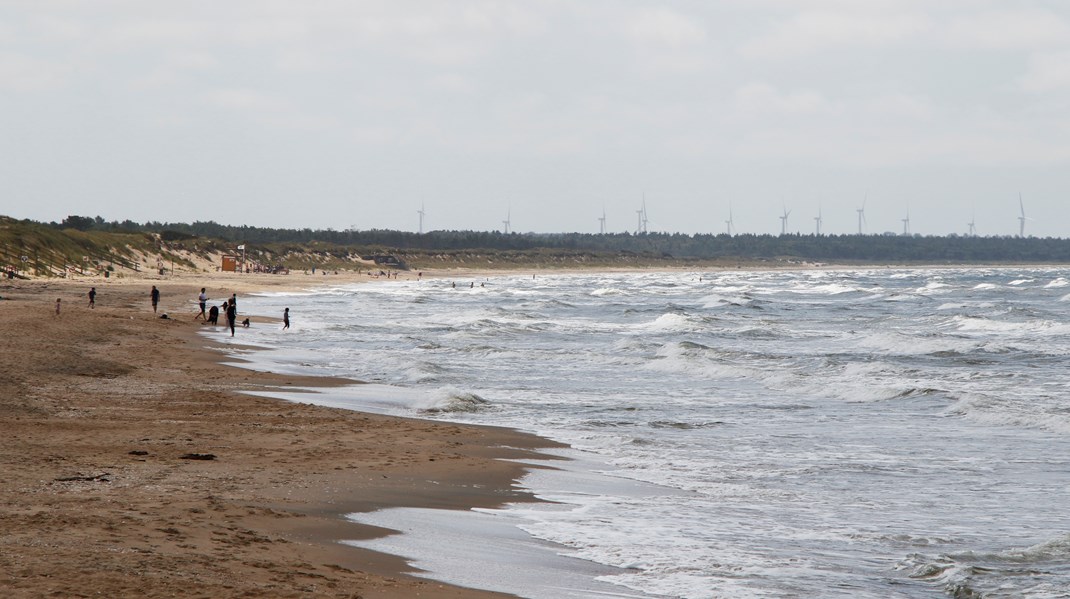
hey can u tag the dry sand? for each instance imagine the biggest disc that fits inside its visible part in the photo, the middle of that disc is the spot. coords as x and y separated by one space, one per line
106 411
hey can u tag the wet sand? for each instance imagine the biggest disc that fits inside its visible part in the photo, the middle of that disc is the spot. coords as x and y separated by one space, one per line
134 466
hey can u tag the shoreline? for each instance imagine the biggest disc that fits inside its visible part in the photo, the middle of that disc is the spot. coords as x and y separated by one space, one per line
86 514
109 410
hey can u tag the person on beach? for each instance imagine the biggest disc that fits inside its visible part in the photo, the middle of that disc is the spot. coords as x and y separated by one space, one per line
234 302
232 316
92 297
213 315
285 319
58 300
203 300
155 296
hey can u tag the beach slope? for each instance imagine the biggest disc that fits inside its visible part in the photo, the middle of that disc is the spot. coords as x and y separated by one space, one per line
134 466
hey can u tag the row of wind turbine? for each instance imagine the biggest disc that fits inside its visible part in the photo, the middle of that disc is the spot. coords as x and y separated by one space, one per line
643 221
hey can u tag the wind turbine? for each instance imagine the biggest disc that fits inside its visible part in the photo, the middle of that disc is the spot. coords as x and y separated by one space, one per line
784 221
971 225
641 214
862 213
602 222
817 220
1022 218
906 223
508 219
729 223
421 213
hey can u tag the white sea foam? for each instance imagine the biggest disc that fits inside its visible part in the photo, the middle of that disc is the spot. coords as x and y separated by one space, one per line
777 413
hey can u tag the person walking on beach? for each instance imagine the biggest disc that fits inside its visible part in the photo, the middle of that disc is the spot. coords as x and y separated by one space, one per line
155 296
234 302
92 297
285 319
232 316
58 300
203 300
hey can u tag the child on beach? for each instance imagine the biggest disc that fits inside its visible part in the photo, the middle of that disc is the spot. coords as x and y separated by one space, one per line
203 300
285 319
92 297
57 306
155 296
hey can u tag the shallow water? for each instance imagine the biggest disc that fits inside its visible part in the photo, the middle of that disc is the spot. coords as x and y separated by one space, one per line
870 433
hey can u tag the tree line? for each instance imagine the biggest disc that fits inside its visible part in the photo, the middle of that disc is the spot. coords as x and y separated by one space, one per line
811 247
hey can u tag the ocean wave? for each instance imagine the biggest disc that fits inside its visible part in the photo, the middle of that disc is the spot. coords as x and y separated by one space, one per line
456 402
669 323
827 289
1035 413
719 301
605 291
979 324
686 426
1036 571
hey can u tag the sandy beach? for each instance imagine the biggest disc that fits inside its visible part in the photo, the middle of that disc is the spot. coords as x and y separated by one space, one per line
135 466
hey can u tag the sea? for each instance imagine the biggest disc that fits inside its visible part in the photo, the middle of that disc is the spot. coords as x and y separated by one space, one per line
878 432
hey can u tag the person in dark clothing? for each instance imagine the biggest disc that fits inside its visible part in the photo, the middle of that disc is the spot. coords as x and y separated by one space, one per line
213 315
232 316
92 297
285 319
155 296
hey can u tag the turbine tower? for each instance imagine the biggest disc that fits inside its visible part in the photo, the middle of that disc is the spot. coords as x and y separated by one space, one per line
508 219
421 213
1022 218
862 213
972 225
817 220
906 224
602 222
642 220
729 223
784 221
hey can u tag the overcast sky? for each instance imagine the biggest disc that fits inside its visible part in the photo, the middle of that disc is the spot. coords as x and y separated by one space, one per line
340 113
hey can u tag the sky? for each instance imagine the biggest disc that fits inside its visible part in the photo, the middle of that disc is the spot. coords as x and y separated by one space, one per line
543 113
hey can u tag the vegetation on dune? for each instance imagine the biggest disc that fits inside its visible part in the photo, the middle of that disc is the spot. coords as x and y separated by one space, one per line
93 245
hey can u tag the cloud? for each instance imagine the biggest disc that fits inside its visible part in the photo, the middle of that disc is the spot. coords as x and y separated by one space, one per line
664 27
243 99
1009 30
762 100
900 106
1047 72
815 31
22 73
265 109
451 83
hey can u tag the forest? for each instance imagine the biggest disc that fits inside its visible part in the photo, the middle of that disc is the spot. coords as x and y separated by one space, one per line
810 247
